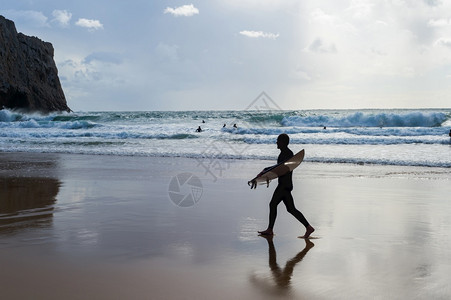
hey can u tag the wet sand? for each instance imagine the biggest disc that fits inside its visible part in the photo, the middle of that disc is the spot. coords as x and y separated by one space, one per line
106 227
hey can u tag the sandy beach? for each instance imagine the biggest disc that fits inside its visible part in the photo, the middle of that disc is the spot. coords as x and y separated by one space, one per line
123 227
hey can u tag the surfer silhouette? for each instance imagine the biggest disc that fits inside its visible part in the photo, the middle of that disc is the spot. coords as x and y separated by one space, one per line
281 276
283 192
199 129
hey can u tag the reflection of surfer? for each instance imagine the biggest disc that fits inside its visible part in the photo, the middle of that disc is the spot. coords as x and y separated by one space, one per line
283 192
282 277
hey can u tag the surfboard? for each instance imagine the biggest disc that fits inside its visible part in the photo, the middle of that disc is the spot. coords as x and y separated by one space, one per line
273 172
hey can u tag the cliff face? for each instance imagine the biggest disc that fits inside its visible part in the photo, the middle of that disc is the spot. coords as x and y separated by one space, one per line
28 74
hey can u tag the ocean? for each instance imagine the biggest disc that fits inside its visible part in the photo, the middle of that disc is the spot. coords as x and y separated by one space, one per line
382 137
125 209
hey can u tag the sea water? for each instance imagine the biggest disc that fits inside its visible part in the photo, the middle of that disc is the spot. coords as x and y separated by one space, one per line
383 137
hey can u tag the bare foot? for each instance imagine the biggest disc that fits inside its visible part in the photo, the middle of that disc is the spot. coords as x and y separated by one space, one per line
308 232
266 232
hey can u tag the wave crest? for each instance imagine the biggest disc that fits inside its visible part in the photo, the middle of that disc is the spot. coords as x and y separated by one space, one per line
9 116
360 119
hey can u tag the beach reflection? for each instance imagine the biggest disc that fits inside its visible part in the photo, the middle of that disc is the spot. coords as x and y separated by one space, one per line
280 281
26 202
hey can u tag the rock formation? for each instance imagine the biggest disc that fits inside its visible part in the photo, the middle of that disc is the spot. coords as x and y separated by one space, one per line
28 74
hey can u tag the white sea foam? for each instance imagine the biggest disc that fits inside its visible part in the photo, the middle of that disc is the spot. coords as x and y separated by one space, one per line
360 119
376 136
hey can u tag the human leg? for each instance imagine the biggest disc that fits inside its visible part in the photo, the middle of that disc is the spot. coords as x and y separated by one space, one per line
291 208
289 204
277 197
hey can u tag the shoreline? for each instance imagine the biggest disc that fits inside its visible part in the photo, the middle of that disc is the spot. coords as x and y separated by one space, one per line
362 169
95 226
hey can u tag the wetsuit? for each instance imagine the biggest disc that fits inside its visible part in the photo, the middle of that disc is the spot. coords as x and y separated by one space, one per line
283 193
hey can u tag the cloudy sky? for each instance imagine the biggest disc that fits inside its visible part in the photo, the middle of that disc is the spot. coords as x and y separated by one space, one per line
202 55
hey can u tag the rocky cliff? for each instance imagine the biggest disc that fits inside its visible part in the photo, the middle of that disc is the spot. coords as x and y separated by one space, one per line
28 74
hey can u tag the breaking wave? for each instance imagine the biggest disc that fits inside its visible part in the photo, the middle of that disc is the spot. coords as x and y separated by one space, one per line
360 119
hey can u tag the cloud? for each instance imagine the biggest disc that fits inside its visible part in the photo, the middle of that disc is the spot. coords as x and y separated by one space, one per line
360 9
76 71
439 22
95 70
445 42
167 52
103 57
259 34
318 46
29 17
185 11
319 16
433 2
62 17
301 74
90 24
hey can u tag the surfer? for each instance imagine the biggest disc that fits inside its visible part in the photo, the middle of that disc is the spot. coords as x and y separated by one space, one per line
450 133
199 129
283 192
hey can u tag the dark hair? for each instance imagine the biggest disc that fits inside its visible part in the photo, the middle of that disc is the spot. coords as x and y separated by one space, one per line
283 139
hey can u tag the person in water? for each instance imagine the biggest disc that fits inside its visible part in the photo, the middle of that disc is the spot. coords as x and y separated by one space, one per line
283 192
199 129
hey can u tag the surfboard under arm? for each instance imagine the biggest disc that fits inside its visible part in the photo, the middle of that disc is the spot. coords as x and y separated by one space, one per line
275 171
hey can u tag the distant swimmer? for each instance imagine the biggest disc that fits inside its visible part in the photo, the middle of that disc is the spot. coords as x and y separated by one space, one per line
234 126
224 126
325 128
199 129
449 133
203 121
